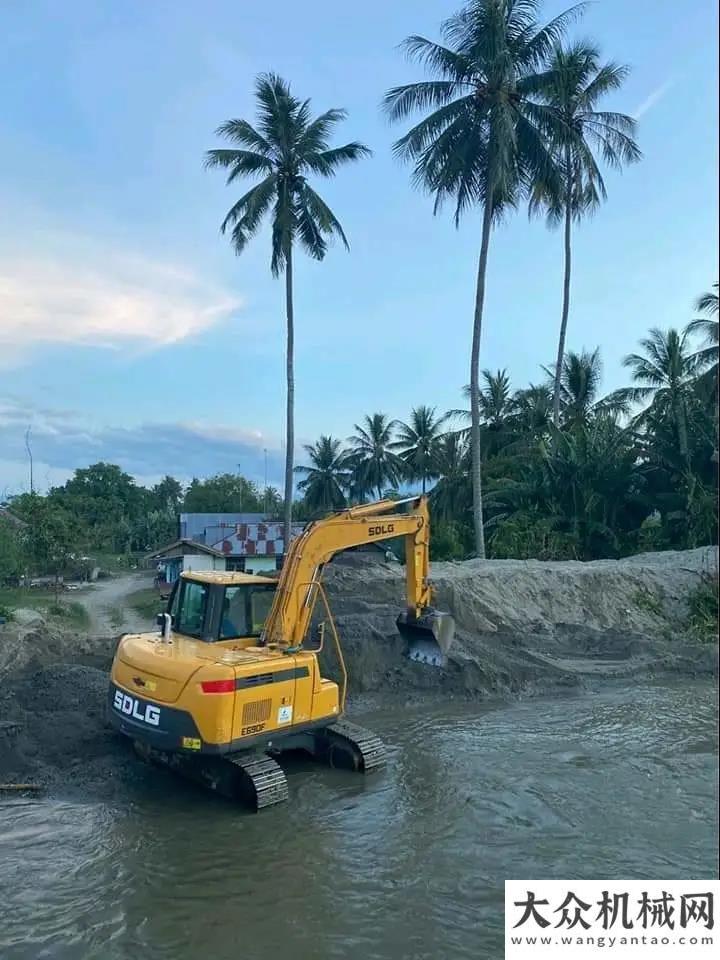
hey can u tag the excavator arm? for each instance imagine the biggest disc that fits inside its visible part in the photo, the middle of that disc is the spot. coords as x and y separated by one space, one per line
428 633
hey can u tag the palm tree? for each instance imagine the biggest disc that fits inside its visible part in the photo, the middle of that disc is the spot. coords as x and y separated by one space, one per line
578 81
589 473
496 401
533 411
373 463
284 148
486 140
417 443
327 478
579 387
449 498
707 326
707 355
496 398
665 375
708 302
496 409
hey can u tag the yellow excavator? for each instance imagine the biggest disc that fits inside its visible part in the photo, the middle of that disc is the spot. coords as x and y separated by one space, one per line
228 684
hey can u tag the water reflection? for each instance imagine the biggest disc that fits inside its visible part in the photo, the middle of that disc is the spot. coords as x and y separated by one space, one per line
409 864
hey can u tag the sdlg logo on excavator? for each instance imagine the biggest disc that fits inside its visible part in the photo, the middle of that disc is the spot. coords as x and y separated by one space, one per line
380 529
135 709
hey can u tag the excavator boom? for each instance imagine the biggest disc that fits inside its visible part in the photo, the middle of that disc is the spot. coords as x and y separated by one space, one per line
428 633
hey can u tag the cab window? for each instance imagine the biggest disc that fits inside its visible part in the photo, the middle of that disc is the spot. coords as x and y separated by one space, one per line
233 622
261 599
245 609
191 608
173 605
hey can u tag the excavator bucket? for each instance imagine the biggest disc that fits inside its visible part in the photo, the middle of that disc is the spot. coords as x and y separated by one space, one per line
427 638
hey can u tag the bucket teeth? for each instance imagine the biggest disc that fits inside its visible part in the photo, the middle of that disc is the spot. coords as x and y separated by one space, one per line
427 638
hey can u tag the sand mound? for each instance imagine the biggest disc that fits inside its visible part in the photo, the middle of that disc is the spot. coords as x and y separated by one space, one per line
528 625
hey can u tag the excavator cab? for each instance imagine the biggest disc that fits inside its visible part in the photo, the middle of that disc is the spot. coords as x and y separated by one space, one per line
215 607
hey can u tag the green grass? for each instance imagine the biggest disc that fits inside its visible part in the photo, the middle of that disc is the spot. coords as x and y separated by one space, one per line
146 603
14 597
72 612
652 602
703 609
116 562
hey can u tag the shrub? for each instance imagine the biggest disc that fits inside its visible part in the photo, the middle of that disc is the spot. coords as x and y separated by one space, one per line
703 608
448 541
73 611
527 536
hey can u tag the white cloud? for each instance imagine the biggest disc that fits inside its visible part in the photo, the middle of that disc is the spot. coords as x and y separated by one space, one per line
62 441
113 301
649 102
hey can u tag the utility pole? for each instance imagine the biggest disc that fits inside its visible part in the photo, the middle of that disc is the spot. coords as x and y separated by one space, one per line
29 452
240 488
265 491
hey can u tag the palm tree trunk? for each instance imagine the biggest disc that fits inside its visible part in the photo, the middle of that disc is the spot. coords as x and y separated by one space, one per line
565 310
682 431
475 382
290 411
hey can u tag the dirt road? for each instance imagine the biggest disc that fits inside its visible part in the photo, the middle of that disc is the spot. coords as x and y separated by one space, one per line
106 603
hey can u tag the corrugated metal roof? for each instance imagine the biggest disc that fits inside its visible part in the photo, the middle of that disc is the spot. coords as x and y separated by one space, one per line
209 527
256 540
184 542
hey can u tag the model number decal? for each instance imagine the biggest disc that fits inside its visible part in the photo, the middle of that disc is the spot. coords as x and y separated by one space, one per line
131 707
380 529
255 728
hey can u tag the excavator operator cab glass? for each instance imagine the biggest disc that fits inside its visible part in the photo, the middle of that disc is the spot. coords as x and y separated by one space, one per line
245 609
212 611
189 606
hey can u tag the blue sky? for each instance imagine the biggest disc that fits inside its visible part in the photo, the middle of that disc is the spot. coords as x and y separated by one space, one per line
129 331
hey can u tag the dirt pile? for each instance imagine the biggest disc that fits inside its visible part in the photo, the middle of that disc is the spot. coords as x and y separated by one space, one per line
527 626
53 734
53 685
32 638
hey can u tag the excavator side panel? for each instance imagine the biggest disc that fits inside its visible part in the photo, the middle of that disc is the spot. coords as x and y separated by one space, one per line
265 698
280 695
326 700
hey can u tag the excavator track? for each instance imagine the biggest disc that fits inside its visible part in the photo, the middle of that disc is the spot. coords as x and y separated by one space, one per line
349 746
265 782
253 777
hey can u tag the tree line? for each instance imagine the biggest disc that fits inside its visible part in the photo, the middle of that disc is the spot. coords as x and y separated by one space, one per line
623 472
101 510
612 474
512 113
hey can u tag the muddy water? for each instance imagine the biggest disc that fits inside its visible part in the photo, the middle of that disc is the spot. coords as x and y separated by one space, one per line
409 864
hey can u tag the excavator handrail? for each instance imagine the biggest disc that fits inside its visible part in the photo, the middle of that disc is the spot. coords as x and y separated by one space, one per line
336 636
